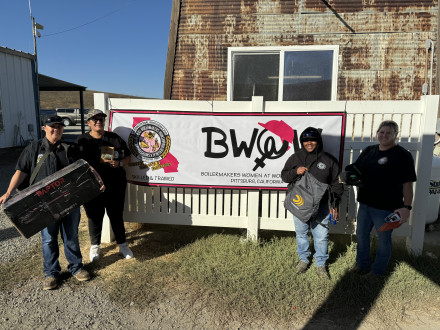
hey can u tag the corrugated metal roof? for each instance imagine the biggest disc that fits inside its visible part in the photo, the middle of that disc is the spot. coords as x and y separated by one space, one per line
46 83
382 43
16 52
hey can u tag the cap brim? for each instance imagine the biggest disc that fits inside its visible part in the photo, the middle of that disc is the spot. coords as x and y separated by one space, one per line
51 124
97 116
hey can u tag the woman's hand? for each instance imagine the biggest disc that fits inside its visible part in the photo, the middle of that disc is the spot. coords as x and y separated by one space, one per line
404 214
114 163
4 198
301 170
334 212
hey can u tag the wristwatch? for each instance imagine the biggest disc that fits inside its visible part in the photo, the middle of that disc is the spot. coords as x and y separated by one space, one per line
409 207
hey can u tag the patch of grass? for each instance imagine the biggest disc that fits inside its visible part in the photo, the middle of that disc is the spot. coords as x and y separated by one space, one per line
19 271
257 280
216 269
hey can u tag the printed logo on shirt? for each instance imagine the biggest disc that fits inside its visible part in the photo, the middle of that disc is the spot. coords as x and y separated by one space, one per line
382 160
321 166
39 157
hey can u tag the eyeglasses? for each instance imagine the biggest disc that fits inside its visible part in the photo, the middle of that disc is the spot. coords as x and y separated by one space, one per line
95 120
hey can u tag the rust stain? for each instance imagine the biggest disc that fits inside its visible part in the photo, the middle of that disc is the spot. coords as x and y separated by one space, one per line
384 59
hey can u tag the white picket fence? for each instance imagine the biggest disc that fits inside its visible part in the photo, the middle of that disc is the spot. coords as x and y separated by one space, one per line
263 209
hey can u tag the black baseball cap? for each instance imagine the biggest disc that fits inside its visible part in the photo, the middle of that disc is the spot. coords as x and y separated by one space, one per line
54 120
95 115
310 134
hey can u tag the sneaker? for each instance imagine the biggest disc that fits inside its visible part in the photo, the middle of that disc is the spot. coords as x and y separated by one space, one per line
82 275
94 252
301 267
125 251
50 283
322 272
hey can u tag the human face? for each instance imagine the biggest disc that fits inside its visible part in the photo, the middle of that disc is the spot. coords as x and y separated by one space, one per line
386 137
96 124
310 145
54 133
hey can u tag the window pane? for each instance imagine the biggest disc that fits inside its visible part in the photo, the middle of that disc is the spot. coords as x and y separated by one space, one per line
255 75
307 75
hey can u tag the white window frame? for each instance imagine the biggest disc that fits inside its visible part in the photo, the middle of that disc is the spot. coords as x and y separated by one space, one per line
281 51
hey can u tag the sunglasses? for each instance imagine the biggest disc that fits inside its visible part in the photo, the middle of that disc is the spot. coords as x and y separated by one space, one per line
95 120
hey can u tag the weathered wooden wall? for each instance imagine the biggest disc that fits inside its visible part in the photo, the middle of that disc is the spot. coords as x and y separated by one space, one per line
381 43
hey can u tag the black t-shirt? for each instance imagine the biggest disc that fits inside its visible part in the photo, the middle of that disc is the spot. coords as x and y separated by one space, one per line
91 150
383 175
63 154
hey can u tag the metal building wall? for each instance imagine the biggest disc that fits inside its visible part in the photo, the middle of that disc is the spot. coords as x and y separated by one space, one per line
381 43
17 98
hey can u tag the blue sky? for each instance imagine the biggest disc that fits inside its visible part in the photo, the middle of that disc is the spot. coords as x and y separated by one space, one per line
123 49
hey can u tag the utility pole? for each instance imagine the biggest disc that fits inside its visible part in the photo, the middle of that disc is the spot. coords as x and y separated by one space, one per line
35 33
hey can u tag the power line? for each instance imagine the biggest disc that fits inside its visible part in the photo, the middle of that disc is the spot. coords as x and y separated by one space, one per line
93 21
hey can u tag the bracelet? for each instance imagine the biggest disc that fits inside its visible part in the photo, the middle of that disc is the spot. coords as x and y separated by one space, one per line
409 207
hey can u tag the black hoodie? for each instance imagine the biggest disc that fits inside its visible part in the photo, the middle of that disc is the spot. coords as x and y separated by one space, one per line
323 166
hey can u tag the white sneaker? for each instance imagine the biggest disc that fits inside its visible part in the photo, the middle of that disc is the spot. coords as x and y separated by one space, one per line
125 251
94 252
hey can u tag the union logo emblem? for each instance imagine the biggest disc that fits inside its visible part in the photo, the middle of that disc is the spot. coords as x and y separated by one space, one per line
299 201
149 141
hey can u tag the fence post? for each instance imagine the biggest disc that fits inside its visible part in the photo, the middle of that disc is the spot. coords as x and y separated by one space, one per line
423 169
100 101
107 235
254 195
253 218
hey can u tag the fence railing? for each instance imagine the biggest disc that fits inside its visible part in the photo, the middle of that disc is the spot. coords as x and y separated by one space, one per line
263 209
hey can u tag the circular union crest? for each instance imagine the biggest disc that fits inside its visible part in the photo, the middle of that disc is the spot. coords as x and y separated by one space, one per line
321 166
149 141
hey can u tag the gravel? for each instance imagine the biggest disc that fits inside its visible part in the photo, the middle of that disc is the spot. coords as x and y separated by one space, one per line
79 305
73 305
12 244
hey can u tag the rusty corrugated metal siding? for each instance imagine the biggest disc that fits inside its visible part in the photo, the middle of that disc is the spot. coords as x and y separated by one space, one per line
383 59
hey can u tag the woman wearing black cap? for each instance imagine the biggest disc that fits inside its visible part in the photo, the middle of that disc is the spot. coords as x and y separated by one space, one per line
325 168
106 152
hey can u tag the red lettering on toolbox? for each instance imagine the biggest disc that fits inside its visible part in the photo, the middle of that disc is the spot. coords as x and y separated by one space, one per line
50 186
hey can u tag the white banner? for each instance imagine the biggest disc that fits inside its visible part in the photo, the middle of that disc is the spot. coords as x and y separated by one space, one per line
218 150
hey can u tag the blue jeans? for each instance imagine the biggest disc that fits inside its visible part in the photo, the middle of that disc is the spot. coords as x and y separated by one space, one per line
318 224
366 219
68 227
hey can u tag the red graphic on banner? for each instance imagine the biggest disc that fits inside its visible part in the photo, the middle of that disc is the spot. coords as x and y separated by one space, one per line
280 128
137 120
174 163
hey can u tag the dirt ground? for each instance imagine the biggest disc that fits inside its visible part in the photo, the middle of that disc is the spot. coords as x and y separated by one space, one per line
87 305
